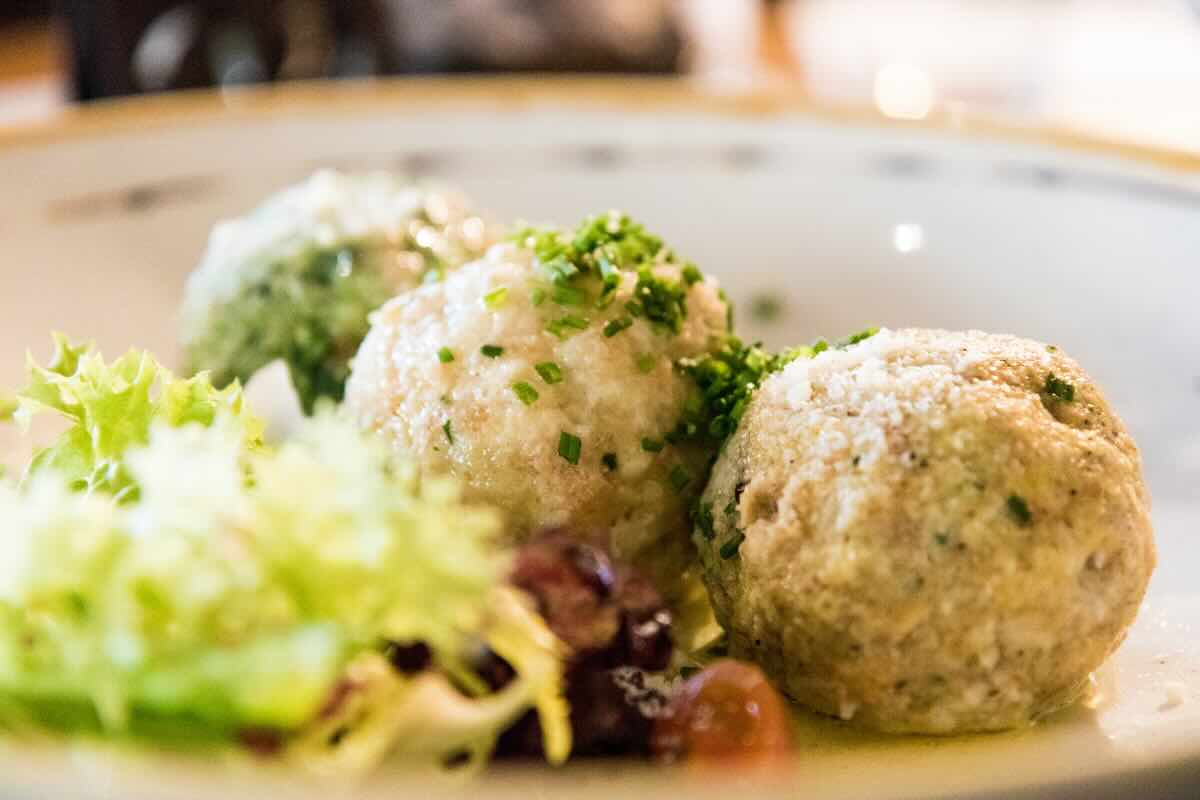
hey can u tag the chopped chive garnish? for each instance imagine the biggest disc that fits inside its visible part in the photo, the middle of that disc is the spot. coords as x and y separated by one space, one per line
559 327
731 506
646 363
616 326
664 302
679 478
1059 389
449 431
691 275
728 309
537 295
855 338
569 295
1019 509
652 445
495 298
527 393
570 447
819 346
492 351
730 548
609 460
551 373
610 273
445 355
559 270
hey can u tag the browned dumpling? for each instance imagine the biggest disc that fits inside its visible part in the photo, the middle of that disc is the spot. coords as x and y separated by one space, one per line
929 531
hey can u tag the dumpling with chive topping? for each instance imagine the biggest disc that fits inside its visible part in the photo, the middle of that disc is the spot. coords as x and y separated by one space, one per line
546 376
928 531
296 278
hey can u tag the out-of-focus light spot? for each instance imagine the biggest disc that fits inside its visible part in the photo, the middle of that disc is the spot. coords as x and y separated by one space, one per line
427 237
903 91
438 209
473 229
908 237
160 52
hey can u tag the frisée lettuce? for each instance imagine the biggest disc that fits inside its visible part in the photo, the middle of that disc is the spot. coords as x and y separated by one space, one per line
112 407
164 574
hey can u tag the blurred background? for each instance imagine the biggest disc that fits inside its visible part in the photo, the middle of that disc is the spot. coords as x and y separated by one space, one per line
1119 69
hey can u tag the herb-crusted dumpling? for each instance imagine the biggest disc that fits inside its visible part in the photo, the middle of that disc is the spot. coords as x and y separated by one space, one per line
547 377
296 278
928 531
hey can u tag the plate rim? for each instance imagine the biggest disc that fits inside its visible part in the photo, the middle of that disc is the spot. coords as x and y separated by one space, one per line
629 94
642 96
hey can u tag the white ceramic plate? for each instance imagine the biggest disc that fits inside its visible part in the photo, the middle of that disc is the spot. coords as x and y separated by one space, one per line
850 222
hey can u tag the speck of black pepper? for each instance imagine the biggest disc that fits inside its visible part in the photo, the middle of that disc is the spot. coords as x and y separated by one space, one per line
857 460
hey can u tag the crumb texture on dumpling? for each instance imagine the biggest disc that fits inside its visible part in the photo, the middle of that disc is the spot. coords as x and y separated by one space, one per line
550 405
929 531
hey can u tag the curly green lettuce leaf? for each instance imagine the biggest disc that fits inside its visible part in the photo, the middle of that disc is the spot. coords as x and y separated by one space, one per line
112 408
238 587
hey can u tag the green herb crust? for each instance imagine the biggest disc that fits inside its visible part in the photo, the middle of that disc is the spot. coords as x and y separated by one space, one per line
310 310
